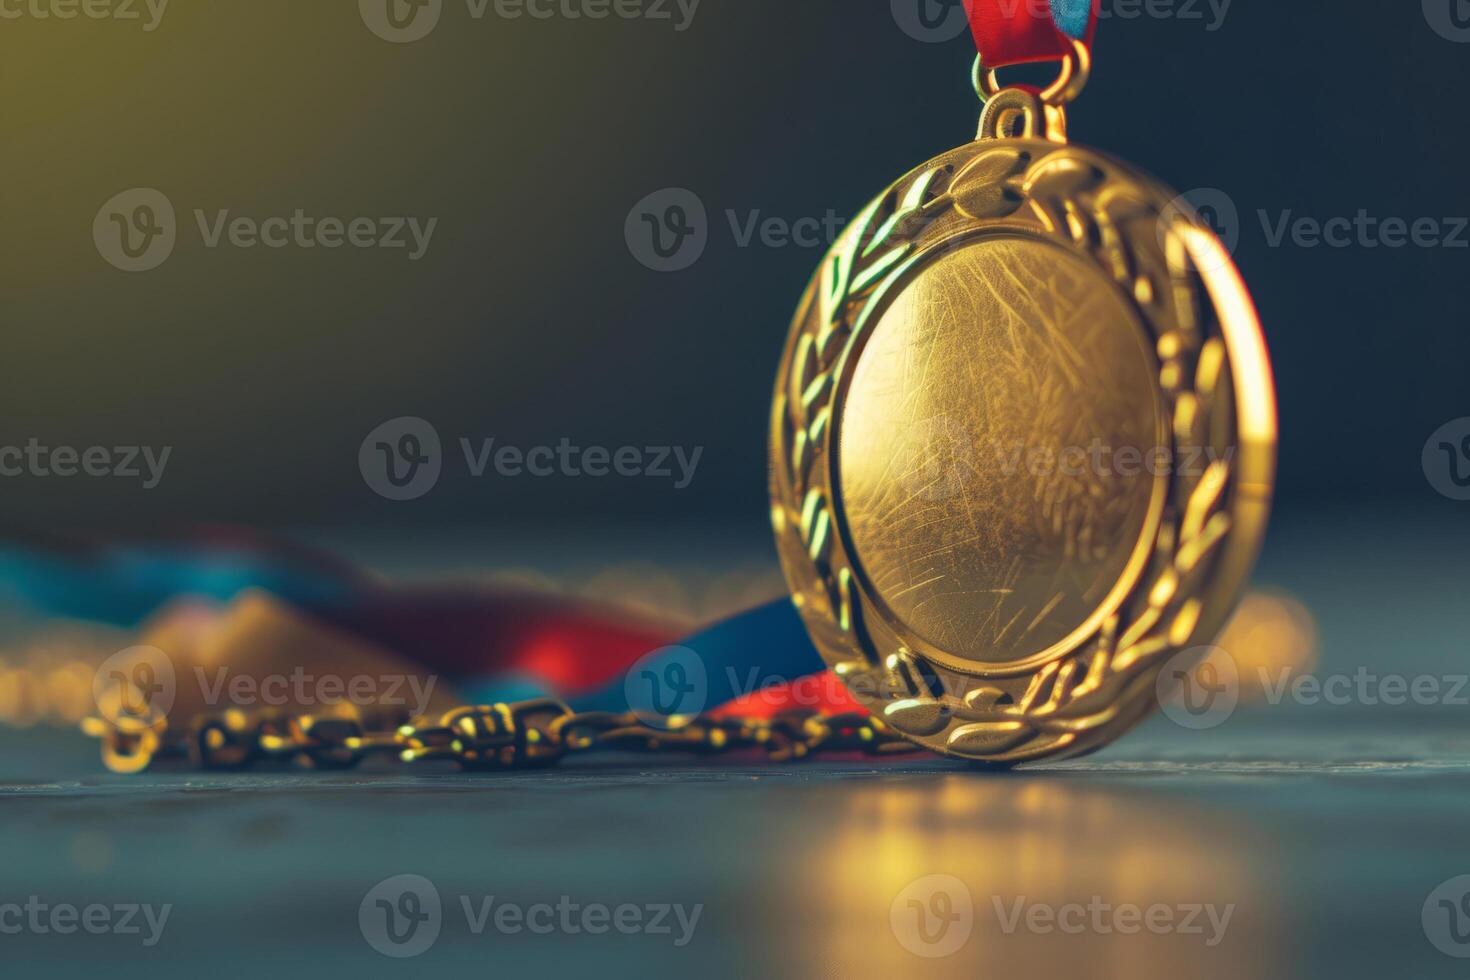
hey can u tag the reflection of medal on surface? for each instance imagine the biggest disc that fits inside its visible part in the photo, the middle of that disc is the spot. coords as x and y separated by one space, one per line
1023 436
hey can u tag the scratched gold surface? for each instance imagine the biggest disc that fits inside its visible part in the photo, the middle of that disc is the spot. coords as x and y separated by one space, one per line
978 466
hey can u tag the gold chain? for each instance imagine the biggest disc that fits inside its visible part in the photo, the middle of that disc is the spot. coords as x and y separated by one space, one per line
525 735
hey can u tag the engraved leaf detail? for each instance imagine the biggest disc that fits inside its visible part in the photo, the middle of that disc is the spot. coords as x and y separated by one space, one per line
988 186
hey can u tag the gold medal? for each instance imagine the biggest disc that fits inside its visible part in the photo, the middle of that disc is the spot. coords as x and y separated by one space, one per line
1023 441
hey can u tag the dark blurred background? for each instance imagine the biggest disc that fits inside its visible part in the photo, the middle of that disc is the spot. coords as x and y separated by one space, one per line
528 318
533 317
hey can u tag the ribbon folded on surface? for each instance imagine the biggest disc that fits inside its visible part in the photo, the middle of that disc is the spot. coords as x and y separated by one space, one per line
493 644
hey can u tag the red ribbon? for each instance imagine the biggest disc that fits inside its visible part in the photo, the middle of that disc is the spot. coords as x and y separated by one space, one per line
824 693
1014 32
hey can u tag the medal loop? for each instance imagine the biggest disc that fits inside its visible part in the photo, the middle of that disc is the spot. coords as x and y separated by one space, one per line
1070 81
1019 113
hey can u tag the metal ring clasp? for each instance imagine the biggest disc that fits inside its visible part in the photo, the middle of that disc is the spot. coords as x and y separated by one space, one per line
1070 81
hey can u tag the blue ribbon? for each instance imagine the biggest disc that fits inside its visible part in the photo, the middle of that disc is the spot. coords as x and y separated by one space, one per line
739 656
1073 17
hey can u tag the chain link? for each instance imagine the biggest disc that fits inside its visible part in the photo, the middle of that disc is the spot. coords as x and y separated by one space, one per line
524 735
